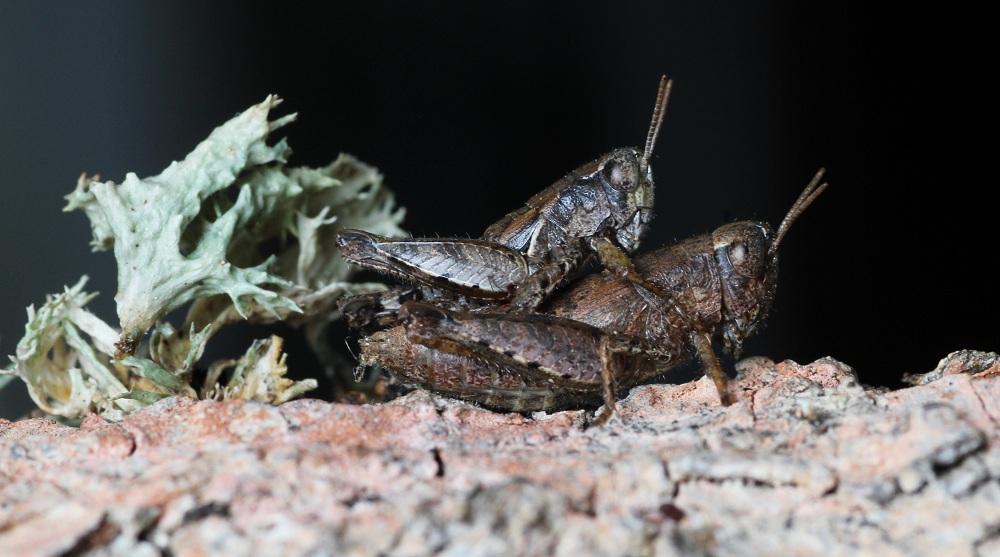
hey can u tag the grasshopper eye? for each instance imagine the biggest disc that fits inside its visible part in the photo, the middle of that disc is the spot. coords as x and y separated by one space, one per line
743 247
737 254
621 171
747 255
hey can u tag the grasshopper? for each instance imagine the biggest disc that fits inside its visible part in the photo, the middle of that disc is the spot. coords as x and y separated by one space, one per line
604 332
602 207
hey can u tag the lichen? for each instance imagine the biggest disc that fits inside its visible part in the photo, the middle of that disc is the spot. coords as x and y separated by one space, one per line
177 236
231 232
63 358
259 375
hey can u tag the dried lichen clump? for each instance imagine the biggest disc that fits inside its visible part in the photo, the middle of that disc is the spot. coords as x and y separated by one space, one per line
230 230
178 236
63 357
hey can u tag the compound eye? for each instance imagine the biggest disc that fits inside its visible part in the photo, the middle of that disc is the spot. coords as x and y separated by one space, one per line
747 255
621 171
737 254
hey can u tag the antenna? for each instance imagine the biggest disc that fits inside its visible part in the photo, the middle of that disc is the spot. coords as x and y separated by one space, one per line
805 199
654 125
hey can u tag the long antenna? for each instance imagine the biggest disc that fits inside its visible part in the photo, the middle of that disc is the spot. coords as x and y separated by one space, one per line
654 125
805 199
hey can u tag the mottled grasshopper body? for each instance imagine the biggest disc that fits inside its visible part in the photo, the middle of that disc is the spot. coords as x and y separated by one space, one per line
601 334
602 207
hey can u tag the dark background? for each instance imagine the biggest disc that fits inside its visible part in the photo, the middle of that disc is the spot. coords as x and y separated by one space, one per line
470 109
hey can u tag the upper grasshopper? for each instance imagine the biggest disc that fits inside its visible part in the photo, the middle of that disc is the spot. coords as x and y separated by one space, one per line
602 333
602 207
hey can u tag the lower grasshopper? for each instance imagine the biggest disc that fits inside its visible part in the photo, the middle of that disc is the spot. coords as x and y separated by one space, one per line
602 333
602 207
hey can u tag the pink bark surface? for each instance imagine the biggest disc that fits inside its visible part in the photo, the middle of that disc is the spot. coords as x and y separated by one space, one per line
806 462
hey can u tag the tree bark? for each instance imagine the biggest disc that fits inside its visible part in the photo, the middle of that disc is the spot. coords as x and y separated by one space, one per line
806 462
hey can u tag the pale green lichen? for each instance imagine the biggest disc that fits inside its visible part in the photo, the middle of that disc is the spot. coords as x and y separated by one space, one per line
229 230
257 376
344 194
65 360
178 236
68 374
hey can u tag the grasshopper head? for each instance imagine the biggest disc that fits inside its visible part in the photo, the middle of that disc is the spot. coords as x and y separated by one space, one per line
746 254
627 179
628 170
748 271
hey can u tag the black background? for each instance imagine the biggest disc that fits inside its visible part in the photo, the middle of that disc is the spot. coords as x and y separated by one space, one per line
469 109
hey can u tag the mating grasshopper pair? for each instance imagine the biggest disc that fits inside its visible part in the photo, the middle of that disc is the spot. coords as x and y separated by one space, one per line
484 325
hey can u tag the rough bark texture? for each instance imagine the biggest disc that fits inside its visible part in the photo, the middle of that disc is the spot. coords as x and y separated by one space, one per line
807 462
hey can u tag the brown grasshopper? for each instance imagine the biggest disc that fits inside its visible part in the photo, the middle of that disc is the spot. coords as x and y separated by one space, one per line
602 333
524 256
